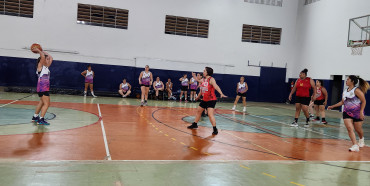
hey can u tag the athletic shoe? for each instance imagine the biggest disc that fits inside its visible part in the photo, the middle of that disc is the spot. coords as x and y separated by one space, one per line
94 96
35 119
361 142
215 131
85 94
306 125
312 116
193 126
354 148
316 120
244 109
234 107
142 104
145 103
294 124
324 122
42 122
123 96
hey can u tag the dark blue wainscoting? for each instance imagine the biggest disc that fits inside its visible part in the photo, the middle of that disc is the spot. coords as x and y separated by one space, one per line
269 87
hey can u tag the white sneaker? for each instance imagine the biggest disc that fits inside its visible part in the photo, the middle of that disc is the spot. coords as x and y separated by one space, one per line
354 148
306 125
233 107
294 124
361 142
244 109
123 96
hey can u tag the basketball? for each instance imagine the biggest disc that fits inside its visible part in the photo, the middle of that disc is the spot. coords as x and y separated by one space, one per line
35 45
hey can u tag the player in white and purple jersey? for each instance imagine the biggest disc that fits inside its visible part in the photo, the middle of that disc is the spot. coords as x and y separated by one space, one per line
184 87
124 88
89 80
158 86
43 86
145 80
353 113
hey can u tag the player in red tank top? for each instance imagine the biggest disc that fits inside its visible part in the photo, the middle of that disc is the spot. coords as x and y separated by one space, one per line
208 86
303 86
321 101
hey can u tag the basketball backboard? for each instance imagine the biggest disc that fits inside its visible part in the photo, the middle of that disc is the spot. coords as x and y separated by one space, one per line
359 31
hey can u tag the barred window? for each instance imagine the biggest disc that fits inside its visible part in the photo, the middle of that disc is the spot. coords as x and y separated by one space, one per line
307 2
267 2
261 34
20 8
186 26
102 16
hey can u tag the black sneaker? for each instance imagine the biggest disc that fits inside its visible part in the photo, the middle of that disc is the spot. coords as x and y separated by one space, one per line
193 126
215 131
35 119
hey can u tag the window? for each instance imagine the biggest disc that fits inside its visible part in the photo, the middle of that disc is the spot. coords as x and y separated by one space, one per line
267 2
102 16
307 2
186 26
20 8
261 34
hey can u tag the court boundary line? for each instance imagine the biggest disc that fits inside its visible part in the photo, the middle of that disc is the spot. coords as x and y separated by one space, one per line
108 157
15 100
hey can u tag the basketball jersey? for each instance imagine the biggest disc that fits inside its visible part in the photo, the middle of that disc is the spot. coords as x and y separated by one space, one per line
303 87
169 85
43 83
185 82
145 79
241 87
158 84
208 91
319 94
352 104
89 76
124 87
194 85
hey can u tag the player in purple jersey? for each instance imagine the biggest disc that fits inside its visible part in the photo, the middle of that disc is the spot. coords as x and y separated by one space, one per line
43 86
89 80
353 113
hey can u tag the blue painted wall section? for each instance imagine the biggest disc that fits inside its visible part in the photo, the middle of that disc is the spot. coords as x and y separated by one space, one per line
67 75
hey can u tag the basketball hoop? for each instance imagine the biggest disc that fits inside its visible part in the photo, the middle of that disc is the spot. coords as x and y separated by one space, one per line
357 46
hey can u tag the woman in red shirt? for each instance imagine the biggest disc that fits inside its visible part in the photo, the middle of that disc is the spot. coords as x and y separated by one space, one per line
208 86
303 86
320 102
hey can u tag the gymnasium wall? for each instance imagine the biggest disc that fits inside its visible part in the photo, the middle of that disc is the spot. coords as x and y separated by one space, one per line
54 26
322 29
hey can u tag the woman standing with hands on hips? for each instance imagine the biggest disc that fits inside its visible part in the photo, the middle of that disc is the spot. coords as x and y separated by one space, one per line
353 113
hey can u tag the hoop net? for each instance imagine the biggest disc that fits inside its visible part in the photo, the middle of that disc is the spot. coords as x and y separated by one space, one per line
357 46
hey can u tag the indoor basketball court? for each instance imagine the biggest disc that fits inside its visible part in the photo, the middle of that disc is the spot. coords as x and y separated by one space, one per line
147 93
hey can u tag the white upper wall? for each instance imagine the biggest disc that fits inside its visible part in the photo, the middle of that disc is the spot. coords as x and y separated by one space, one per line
54 26
322 39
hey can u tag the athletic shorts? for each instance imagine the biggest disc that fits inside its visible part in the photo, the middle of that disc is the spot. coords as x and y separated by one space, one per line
43 94
144 85
208 104
346 116
184 88
319 102
193 90
303 100
242 94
